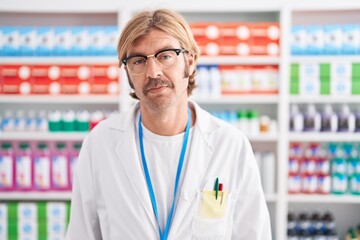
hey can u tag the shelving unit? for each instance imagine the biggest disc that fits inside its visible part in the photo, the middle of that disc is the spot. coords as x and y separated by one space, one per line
20 12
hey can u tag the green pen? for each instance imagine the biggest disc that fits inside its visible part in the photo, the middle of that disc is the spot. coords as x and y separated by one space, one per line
216 188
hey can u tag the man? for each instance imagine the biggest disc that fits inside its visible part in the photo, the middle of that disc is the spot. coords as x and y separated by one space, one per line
166 169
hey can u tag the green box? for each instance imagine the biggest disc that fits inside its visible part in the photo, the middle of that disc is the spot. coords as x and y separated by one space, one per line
294 70
324 70
355 70
294 88
324 88
355 88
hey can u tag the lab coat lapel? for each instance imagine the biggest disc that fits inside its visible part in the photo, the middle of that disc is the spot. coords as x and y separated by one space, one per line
126 150
200 154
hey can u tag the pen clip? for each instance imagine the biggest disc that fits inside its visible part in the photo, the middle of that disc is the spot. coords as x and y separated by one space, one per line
216 188
222 193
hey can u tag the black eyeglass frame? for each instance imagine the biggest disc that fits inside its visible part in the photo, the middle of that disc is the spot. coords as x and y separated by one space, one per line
176 50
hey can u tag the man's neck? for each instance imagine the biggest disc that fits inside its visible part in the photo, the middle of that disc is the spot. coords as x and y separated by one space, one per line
167 122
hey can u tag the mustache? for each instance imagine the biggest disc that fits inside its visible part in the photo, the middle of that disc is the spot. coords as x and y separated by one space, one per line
157 82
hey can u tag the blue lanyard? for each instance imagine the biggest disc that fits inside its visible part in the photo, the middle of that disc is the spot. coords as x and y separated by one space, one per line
164 235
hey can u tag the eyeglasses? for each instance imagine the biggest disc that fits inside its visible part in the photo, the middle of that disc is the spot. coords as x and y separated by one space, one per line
136 64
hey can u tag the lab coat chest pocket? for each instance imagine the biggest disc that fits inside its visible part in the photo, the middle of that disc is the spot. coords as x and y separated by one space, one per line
213 217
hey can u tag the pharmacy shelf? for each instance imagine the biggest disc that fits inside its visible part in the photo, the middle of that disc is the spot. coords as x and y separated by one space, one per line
36 196
43 136
330 5
325 59
324 99
324 137
63 60
238 99
68 99
354 199
263 138
238 60
271 198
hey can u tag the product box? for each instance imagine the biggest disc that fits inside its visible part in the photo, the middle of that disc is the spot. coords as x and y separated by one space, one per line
27 229
340 86
11 41
45 79
341 69
235 30
351 39
16 79
112 38
28 41
27 211
45 41
315 40
98 40
333 39
206 30
310 87
105 79
233 47
265 30
264 47
3 230
235 79
56 211
264 79
309 70
75 79
64 41
81 41
298 40
56 229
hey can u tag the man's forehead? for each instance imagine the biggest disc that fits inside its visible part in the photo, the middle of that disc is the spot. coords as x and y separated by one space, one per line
154 37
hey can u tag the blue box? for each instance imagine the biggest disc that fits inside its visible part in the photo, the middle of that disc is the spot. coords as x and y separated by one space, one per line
46 41
81 43
351 42
11 41
97 40
315 40
112 36
298 40
333 39
63 41
28 41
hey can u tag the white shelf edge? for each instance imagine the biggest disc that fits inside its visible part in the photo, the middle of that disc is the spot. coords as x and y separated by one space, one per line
238 99
324 99
52 195
324 199
333 5
238 60
263 138
71 99
43 136
324 58
324 137
64 60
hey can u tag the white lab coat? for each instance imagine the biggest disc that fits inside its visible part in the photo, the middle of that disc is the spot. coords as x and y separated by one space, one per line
110 199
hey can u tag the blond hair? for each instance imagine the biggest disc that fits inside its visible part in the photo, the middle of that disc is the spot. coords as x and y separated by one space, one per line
164 20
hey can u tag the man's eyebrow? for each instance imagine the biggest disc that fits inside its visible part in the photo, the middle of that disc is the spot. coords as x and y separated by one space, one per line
160 49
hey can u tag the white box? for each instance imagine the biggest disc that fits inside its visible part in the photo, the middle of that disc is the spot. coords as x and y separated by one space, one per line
11 41
63 41
315 40
27 229
351 39
3 230
27 211
310 87
298 40
81 43
333 39
46 41
340 86
309 70
3 213
56 211
28 41
340 69
56 228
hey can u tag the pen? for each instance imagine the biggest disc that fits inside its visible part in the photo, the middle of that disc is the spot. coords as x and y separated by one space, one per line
222 193
216 188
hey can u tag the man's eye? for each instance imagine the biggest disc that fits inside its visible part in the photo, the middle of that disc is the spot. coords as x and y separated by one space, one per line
139 61
164 57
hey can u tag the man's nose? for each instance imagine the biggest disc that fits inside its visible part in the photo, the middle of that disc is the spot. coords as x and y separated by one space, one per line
153 68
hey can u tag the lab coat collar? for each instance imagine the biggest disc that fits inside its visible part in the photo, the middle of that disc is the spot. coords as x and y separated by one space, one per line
201 151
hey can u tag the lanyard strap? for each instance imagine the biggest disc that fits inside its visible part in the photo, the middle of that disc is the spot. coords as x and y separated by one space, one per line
163 235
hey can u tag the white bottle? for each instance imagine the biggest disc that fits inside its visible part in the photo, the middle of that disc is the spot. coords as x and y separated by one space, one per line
268 173
296 119
203 81
312 119
20 121
346 119
215 81
329 120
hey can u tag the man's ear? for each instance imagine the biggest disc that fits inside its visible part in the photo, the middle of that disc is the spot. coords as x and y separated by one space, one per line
191 62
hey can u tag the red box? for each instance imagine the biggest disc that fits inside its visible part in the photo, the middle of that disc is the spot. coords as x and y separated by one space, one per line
264 47
236 30
75 79
204 30
16 79
105 79
265 30
45 79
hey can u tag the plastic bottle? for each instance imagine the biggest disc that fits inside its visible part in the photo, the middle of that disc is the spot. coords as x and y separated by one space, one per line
254 122
329 222
68 121
296 119
304 221
74 154
7 167
244 124
23 167
203 81
329 120
59 164
357 120
312 119
30 121
95 118
42 167
82 121
42 121
346 119
20 121
215 84
54 121
268 173
8 121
